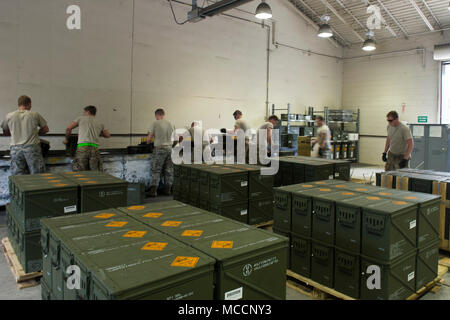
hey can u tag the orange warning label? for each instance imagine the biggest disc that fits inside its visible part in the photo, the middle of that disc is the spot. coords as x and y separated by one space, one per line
385 194
70 172
154 246
325 190
340 186
49 178
399 203
153 215
46 174
373 198
83 179
91 182
78 175
188 262
222 244
104 215
361 189
411 198
171 223
136 208
307 186
320 182
134 234
55 181
192 233
60 185
116 224
348 193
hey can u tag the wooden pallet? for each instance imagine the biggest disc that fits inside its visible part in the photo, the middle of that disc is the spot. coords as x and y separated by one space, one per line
264 224
318 291
23 280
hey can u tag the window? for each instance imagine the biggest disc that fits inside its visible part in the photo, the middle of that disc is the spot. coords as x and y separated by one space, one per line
445 93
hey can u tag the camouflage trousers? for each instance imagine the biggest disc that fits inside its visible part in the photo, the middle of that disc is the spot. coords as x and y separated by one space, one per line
162 165
393 162
27 159
87 158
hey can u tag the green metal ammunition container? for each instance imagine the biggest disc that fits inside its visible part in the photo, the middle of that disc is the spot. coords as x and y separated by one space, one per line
227 186
348 221
237 211
46 294
136 193
289 236
244 254
427 264
51 244
282 207
421 183
260 211
363 188
389 229
315 171
341 167
292 171
26 245
347 276
378 179
428 214
324 212
36 196
396 278
99 191
301 255
259 186
322 263
194 186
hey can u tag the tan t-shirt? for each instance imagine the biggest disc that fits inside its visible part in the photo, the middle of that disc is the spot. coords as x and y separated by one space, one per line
162 130
266 126
89 129
24 126
398 136
242 124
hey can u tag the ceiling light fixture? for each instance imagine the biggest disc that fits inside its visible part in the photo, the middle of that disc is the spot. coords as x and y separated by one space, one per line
369 44
263 11
325 29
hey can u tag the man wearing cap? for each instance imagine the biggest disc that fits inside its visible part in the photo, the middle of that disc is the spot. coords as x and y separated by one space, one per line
25 127
399 144
90 130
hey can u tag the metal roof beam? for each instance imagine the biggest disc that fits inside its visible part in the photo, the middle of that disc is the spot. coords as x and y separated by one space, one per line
432 14
332 9
393 18
422 15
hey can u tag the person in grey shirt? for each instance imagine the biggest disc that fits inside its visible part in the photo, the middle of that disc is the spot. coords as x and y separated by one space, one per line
24 127
399 144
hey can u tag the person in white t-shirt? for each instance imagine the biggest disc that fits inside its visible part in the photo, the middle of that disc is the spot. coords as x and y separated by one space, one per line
323 138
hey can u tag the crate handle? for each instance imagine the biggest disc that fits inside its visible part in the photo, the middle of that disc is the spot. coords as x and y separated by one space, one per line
322 213
345 264
374 224
301 207
346 218
299 246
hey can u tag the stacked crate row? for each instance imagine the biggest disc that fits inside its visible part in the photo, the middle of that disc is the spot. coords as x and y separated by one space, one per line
299 169
239 192
50 195
425 181
339 231
164 251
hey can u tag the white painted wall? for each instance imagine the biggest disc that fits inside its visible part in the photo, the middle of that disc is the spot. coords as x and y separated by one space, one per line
196 71
380 84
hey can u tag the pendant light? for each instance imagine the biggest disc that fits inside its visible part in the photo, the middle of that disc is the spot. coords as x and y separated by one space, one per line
263 11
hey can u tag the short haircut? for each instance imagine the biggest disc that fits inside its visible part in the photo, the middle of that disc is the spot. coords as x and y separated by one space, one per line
160 112
274 118
24 101
237 112
91 109
320 118
392 114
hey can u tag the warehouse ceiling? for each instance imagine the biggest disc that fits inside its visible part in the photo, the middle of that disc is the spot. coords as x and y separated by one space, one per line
400 18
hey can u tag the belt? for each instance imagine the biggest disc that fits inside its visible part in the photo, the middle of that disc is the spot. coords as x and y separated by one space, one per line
87 145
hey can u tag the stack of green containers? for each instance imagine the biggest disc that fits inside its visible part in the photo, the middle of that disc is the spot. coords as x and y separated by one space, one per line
32 198
238 192
250 262
51 195
119 258
339 231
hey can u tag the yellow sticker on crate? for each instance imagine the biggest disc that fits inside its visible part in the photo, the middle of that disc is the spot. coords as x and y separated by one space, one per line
49 178
192 233
60 185
348 193
188 262
104 215
116 224
153 215
83 179
55 181
325 190
154 246
307 186
320 182
385 194
399 203
372 198
171 223
222 244
136 208
91 182
411 198
361 189
135 234
340 186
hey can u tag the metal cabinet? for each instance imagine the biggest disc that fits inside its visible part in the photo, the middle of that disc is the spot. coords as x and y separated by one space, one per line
431 147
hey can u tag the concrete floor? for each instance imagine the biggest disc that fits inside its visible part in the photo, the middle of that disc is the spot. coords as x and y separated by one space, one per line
10 291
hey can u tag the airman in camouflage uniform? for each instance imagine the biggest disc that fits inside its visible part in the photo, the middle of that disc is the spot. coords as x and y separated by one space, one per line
25 127
162 131
88 155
